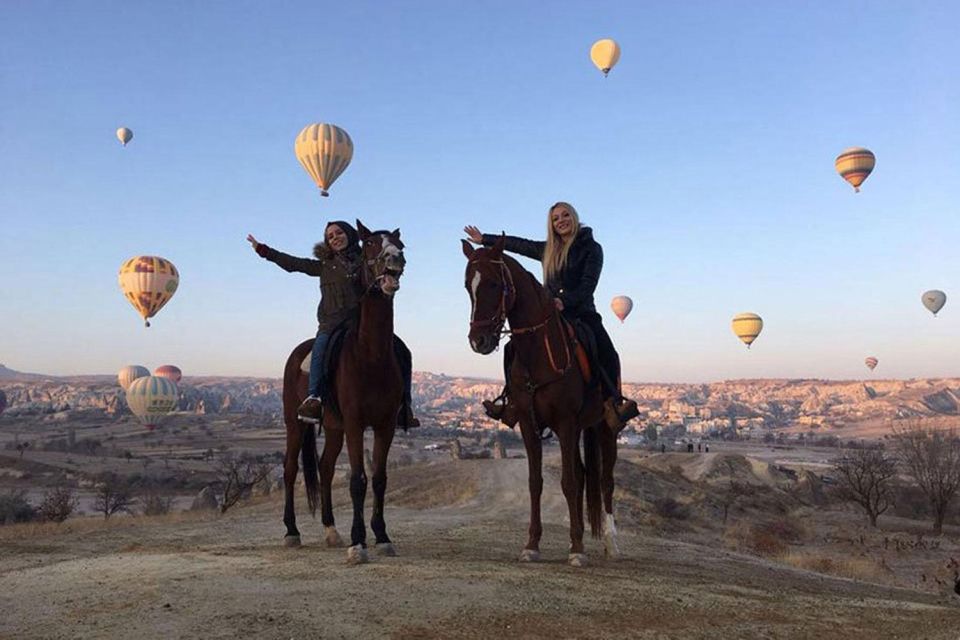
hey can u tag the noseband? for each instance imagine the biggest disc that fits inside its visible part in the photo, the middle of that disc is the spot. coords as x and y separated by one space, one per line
508 297
378 266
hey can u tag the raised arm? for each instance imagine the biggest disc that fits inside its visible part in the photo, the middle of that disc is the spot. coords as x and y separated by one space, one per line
289 263
582 291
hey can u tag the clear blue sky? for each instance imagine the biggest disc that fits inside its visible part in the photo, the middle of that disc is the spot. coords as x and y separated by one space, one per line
704 163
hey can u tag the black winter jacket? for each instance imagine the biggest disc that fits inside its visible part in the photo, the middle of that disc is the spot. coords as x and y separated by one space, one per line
578 279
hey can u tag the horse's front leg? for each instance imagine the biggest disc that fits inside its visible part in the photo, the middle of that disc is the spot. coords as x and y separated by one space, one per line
357 553
382 438
608 452
571 480
290 469
332 445
534 447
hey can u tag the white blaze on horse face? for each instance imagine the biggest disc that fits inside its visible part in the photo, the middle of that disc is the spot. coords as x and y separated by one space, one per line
474 283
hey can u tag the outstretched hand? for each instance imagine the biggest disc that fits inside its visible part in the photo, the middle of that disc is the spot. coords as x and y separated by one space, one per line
253 241
473 234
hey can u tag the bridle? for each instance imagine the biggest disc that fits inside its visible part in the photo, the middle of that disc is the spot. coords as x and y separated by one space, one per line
378 266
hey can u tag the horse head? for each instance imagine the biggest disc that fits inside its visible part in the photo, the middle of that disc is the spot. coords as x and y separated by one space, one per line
492 295
383 260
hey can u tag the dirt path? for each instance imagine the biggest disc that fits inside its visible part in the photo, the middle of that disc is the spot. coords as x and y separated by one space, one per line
458 527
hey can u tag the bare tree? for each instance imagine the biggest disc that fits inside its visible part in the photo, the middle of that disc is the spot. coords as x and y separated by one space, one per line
238 475
114 494
932 458
866 477
57 505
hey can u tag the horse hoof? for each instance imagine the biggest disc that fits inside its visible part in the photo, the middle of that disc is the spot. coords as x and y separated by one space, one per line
357 555
611 550
291 542
386 549
577 560
333 538
529 555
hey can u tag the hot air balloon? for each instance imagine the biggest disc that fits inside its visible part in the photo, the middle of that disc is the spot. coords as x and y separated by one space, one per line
622 306
148 282
747 326
871 363
124 135
324 150
934 300
151 398
130 373
3 401
854 165
170 372
605 54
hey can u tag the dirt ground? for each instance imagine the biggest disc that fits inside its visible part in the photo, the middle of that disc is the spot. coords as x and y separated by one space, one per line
458 527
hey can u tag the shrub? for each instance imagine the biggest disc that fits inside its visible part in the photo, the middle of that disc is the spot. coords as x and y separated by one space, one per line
154 504
669 508
14 507
58 504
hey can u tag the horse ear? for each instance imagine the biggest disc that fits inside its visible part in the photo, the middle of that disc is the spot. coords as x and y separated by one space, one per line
467 249
362 230
499 244
396 233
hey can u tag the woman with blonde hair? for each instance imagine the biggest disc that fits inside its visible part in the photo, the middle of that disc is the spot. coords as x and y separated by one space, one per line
572 261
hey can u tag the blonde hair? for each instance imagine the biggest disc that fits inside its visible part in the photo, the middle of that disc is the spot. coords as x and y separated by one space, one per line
555 253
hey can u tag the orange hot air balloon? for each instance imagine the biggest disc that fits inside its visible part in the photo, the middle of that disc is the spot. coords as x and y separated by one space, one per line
169 371
621 306
854 165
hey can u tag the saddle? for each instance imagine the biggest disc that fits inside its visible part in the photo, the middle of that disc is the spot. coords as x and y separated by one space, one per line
585 347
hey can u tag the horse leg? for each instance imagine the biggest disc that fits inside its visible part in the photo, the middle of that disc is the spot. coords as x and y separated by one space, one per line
382 438
290 468
608 452
571 480
534 447
332 445
357 553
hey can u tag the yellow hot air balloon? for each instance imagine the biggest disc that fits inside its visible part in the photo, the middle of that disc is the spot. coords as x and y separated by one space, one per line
151 398
324 150
605 54
148 282
854 165
130 373
124 135
621 306
747 326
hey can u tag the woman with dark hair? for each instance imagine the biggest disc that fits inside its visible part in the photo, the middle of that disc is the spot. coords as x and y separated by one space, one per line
336 262
572 261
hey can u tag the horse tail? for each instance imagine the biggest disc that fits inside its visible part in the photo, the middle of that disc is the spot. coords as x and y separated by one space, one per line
593 464
311 469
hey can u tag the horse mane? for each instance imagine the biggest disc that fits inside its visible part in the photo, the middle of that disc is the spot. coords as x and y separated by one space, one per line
537 287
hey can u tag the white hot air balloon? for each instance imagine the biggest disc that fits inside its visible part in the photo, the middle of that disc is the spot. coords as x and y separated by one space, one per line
124 135
130 373
151 398
934 300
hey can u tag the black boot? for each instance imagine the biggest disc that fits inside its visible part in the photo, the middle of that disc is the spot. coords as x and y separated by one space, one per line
502 410
406 419
311 410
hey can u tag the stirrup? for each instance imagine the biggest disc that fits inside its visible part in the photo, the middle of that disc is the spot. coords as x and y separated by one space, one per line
502 411
310 411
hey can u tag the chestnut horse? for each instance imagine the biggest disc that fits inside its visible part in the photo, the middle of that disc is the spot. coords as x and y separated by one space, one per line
367 391
548 389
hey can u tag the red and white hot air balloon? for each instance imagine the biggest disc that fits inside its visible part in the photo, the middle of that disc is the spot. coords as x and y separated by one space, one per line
621 306
169 371
871 363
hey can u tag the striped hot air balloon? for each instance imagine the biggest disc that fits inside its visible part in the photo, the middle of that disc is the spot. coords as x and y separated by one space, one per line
124 135
324 151
170 372
605 54
854 165
747 326
130 373
151 398
621 306
871 363
148 282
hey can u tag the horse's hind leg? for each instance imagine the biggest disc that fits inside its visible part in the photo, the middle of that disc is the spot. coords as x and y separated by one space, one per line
290 468
608 451
534 447
382 438
357 553
332 445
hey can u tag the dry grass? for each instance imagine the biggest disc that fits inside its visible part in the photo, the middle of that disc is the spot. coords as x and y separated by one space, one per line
856 568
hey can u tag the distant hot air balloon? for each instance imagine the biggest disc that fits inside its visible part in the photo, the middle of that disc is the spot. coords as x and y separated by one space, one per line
170 372
605 54
130 373
148 282
3 401
124 135
622 306
934 300
854 165
871 363
151 398
324 150
747 326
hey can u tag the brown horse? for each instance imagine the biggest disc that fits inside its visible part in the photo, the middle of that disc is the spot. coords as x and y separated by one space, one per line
549 390
367 391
